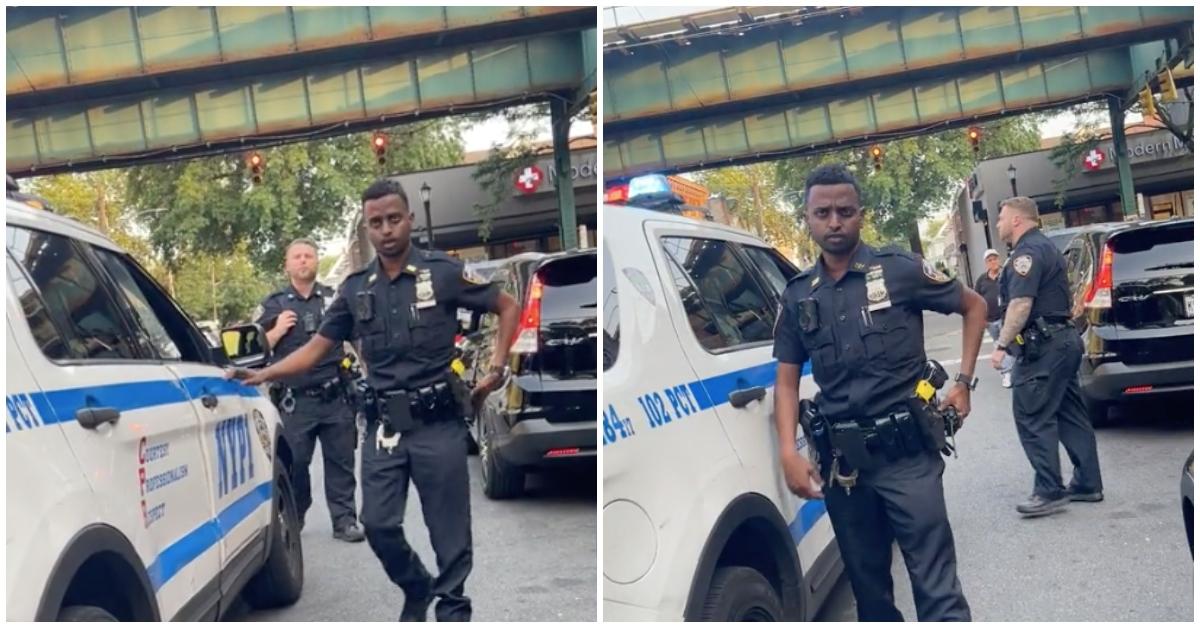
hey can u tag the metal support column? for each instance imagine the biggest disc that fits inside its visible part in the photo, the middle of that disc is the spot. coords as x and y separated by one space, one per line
560 123
1116 115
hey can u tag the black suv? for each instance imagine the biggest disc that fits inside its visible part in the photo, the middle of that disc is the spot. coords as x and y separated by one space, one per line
1132 287
544 416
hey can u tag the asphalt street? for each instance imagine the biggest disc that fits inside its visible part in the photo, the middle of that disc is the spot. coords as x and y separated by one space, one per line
535 558
1123 559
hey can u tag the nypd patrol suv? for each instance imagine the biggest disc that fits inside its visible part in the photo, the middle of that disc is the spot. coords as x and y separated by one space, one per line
698 521
142 485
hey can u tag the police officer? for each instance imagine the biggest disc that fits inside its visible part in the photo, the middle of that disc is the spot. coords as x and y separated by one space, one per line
1047 403
312 403
402 309
857 315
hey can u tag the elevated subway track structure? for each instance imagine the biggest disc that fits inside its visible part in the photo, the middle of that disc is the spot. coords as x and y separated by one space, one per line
748 84
100 87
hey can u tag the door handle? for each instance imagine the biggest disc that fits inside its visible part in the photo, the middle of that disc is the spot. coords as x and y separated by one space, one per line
91 418
742 398
209 400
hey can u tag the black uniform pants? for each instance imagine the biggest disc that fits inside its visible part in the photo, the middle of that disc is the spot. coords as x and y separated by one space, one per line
902 502
434 456
333 423
1048 408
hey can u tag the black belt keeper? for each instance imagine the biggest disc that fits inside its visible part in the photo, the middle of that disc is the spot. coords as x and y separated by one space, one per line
328 391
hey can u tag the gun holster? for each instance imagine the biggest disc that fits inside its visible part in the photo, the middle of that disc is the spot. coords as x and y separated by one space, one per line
931 422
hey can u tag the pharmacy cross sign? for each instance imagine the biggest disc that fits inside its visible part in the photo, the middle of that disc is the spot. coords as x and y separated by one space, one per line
530 179
1093 160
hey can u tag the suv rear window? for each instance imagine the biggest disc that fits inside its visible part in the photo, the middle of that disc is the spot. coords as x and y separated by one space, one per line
568 286
1141 251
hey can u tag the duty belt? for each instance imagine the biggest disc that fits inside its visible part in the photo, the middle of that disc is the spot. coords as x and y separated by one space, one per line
434 403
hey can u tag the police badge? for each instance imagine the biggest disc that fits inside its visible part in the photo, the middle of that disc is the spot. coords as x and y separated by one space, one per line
877 292
425 296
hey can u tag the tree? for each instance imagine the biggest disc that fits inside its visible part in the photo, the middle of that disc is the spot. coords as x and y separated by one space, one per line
920 174
494 174
97 199
209 205
225 288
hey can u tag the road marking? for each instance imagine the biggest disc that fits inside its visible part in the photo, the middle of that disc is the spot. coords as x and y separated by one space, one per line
958 360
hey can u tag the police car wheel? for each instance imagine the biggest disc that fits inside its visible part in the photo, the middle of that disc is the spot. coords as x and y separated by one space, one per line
500 480
85 613
281 578
741 594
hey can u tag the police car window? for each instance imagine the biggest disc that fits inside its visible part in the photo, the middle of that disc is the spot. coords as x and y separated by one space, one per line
773 267
45 332
74 295
151 331
612 313
726 307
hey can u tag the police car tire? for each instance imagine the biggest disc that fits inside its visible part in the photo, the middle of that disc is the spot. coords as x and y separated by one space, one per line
277 583
741 594
85 613
500 480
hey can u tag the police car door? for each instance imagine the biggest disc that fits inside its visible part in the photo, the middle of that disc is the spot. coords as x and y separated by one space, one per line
127 417
233 434
726 324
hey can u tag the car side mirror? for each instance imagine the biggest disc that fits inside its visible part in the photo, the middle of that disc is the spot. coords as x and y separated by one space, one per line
246 345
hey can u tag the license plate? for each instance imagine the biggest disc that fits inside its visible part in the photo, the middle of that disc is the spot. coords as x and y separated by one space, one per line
1187 305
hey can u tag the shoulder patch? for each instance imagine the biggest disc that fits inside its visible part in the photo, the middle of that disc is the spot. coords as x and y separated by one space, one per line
932 273
471 276
1022 264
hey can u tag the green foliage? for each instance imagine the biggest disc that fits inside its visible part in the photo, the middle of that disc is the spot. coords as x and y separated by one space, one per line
1067 157
920 174
96 199
326 264
239 286
309 189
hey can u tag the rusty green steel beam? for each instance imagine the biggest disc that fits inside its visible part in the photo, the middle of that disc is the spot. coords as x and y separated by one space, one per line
720 72
1150 59
51 48
291 106
865 117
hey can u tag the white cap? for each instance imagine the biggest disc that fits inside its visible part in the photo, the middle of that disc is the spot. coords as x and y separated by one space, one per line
990 252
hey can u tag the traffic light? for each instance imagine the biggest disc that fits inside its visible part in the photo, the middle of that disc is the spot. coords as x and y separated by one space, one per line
1146 97
255 163
974 135
379 143
877 156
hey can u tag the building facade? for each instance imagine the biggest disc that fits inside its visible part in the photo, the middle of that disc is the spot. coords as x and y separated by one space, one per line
1162 179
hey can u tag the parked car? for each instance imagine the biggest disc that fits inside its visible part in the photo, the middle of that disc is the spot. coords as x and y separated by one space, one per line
142 485
1062 237
1132 285
544 415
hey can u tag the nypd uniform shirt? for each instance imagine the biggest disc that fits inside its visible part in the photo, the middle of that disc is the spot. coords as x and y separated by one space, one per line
406 325
864 334
1038 270
312 309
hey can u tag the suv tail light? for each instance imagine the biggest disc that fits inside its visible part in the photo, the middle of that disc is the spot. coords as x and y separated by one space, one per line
1100 294
530 325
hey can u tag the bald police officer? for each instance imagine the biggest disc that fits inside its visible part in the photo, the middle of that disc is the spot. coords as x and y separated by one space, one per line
402 309
1047 403
857 315
313 406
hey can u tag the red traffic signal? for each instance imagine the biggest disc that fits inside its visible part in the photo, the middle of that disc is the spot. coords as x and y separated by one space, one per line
379 142
974 135
255 163
877 156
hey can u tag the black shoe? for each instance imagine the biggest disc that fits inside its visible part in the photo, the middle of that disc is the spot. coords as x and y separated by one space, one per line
1038 506
1079 495
349 533
416 608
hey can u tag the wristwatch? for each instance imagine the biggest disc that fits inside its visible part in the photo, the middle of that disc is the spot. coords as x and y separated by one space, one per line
969 382
500 370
